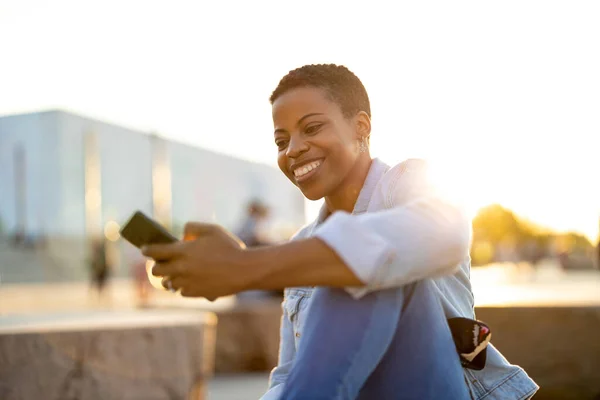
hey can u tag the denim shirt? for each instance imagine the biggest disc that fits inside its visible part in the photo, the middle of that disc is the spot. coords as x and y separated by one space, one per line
399 232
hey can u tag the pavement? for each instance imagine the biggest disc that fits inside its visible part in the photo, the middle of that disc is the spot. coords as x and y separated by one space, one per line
498 285
120 294
547 285
238 387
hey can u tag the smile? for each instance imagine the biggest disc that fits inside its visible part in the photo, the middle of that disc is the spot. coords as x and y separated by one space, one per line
306 171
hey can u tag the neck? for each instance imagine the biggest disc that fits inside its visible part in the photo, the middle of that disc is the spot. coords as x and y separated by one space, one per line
345 196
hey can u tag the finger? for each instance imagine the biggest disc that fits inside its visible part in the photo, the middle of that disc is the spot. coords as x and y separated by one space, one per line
173 284
189 292
167 284
163 251
193 230
179 282
172 268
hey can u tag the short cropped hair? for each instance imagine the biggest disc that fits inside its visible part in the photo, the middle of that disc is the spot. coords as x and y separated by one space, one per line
341 85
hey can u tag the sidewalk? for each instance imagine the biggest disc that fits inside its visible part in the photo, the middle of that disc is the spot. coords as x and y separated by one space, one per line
238 387
28 298
495 285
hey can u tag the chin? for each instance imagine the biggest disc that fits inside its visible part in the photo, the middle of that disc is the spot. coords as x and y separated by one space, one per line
313 192
313 196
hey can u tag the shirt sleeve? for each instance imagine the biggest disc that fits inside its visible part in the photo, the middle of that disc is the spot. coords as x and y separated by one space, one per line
416 235
287 353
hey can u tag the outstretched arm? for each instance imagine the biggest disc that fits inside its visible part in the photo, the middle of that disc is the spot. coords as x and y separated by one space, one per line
416 235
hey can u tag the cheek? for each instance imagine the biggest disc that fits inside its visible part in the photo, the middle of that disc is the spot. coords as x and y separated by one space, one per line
340 143
282 163
343 154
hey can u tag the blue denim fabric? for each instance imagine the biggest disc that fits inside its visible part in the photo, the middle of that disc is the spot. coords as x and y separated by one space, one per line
392 344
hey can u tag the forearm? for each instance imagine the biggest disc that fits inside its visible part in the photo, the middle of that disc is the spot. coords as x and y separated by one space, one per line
307 262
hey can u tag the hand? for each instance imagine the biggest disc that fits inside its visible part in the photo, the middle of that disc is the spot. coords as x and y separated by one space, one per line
206 264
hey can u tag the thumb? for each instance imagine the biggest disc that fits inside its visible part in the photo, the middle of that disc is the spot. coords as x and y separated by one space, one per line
193 230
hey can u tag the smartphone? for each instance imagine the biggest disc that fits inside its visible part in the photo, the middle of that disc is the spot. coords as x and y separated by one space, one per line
142 230
471 338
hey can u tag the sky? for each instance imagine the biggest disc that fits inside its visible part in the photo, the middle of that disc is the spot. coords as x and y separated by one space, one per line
503 98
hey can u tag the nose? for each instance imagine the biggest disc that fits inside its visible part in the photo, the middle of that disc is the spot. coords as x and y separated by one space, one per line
296 147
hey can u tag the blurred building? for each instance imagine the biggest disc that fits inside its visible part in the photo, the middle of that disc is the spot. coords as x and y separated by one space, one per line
65 177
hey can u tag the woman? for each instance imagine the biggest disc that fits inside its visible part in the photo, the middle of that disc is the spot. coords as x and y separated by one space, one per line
390 260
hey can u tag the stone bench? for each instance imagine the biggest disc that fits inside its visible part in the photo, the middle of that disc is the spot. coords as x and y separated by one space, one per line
248 337
106 355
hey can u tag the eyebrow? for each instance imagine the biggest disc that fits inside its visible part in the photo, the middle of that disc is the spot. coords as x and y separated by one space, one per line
299 121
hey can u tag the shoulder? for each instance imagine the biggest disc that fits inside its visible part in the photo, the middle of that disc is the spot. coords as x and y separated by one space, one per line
410 166
304 232
405 180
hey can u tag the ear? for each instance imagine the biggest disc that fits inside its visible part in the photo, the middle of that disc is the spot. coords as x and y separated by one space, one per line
363 125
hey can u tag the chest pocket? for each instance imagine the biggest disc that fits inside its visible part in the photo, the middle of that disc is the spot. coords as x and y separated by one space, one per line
296 304
292 304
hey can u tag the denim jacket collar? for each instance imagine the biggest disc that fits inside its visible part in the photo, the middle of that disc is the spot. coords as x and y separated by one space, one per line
376 171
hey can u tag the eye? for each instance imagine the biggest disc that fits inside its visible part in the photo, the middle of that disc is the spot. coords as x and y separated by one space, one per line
313 129
281 143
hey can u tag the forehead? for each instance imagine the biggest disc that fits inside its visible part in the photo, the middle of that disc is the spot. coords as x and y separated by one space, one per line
296 103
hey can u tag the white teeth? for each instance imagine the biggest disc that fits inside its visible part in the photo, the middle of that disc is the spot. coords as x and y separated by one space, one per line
298 172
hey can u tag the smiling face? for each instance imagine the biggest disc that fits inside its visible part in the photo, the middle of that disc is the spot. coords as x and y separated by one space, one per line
317 145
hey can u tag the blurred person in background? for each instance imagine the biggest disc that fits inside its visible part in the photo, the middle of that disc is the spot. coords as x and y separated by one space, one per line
251 231
372 282
100 267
